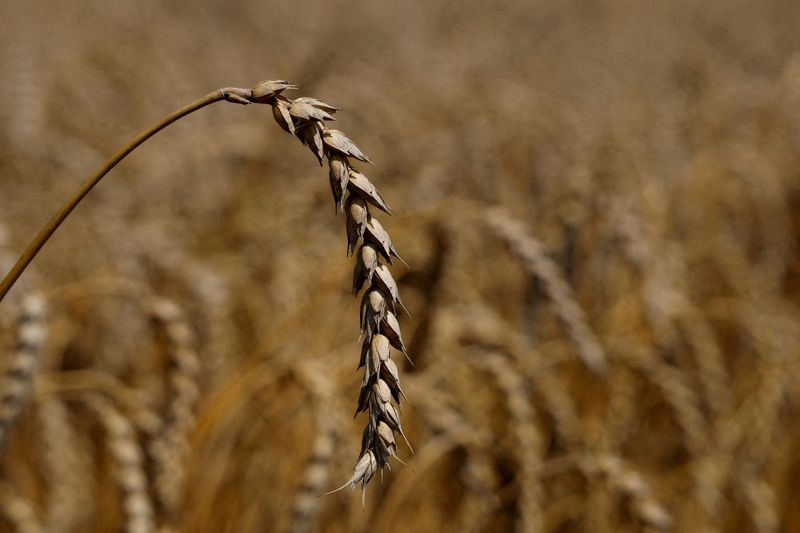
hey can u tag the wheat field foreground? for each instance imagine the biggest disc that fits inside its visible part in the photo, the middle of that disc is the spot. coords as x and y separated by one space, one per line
598 204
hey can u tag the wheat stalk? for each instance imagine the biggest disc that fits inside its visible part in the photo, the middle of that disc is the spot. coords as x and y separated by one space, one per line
262 93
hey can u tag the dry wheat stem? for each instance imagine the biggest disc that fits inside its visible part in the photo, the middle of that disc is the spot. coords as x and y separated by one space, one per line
229 94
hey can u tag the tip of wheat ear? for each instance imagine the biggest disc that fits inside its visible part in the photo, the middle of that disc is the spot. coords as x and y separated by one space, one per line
354 195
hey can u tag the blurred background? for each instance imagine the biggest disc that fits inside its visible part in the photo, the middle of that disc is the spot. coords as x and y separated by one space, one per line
598 201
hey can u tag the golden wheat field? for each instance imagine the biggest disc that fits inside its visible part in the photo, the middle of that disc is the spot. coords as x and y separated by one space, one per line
598 202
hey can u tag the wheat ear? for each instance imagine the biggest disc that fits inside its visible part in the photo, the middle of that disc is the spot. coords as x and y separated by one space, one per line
15 385
170 448
306 506
128 458
529 442
630 484
538 263
356 196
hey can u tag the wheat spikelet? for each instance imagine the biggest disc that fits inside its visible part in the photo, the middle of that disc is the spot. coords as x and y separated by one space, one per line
127 455
15 386
355 195
18 510
536 260
170 448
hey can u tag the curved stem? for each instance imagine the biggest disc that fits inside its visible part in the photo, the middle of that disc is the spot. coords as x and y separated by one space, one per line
47 231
